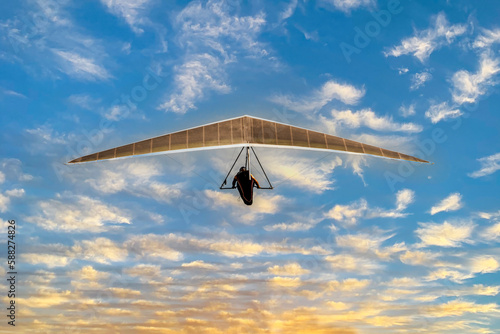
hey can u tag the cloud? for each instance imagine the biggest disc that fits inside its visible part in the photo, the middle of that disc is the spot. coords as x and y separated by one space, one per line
197 76
77 213
484 264
84 101
13 93
143 270
439 112
132 11
458 308
124 293
136 178
199 264
100 250
446 234
451 203
48 31
317 99
80 67
262 205
426 41
299 223
287 282
489 165
50 260
418 258
212 38
289 269
347 6
487 38
368 118
419 79
351 213
6 197
294 168
468 87
350 263
406 111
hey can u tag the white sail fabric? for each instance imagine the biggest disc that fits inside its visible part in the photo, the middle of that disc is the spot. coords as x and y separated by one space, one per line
243 131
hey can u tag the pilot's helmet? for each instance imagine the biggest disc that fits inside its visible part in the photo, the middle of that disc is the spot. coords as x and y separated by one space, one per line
242 169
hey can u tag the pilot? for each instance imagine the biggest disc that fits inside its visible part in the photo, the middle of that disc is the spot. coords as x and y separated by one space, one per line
245 185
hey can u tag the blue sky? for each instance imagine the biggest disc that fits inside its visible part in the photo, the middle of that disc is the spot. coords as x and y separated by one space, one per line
344 244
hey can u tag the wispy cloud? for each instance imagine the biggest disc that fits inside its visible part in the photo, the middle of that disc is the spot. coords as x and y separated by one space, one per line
445 234
368 118
419 79
80 67
468 87
199 75
355 211
426 41
451 203
132 11
317 99
76 213
212 37
487 38
489 165
407 111
439 112
60 45
347 6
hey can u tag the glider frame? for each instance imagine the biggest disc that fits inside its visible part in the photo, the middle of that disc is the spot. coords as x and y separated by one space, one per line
247 166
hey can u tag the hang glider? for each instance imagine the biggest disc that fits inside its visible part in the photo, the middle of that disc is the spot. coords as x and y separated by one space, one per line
246 132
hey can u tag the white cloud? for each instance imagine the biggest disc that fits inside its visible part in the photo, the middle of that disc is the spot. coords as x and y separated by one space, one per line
348 213
450 203
76 213
487 39
351 213
350 263
100 250
212 38
262 205
136 178
81 67
7 195
200 74
289 269
84 101
293 169
439 112
45 135
489 165
426 41
406 111
347 6
419 79
13 93
368 118
331 90
446 234
299 223
132 11
60 45
484 264
199 264
468 87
